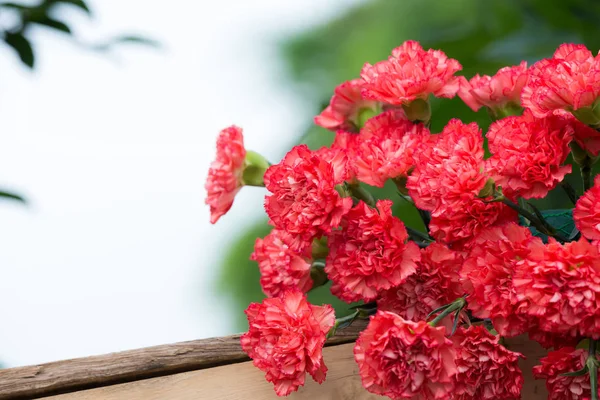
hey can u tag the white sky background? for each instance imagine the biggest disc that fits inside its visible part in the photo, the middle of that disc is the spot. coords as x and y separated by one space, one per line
115 250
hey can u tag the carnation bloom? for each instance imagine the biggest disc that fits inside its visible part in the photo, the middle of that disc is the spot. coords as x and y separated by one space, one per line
225 173
561 285
404 359
448 177
281 268
529 153
410 73
495 92
285 339
344 109
486 370
557 363
587 138
304 201
370 253
587 212
487 276
449 170
459 224
435 283
569 80
386 147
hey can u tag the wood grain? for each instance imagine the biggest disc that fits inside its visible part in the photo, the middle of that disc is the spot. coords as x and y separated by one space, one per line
245 382
110 369
237 382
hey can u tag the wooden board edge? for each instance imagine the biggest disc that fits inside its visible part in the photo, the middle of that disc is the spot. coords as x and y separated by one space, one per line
66 376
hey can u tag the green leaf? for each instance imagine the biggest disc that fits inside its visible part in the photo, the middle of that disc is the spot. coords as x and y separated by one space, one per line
15 6
581 372
12 196
22 46
52 23
76 3
561 220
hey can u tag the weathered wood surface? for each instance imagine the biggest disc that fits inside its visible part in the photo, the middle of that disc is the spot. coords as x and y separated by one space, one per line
245 382
110 369
532 389
237 382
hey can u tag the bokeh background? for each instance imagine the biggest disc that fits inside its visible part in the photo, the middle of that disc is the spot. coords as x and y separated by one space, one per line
109 138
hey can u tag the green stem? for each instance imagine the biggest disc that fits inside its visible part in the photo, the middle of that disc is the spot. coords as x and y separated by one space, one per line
592 364
540 225
420 236
343 322
570 191
456 305
362 194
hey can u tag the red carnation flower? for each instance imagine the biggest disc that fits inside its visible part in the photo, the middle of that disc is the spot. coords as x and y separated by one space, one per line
528 154
459 224
485 368
557 363
569 80
281 268
285 339
561 285
386 147
370 253
304 201
449 170
488 271
225 173
435 283
405 360
586 137
587 212
495 92
410 73
345 106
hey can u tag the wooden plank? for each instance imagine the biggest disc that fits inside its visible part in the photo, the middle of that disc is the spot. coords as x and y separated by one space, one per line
237 382
532 389
85 373
245 382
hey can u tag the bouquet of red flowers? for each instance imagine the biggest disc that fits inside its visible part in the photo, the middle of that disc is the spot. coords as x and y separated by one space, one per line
488 265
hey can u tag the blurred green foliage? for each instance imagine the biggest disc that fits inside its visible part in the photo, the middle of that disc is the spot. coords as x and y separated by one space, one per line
483 35
43 13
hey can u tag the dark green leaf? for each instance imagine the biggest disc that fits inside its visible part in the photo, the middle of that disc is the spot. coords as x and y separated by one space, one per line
12 196
455 324
77 3
22 46
561 220
581 372
15 6
52 23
